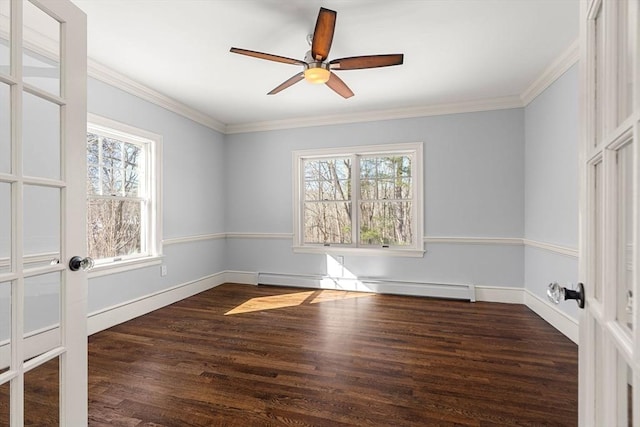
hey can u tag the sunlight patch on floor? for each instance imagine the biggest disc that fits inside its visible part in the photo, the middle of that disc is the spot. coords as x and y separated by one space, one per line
291 300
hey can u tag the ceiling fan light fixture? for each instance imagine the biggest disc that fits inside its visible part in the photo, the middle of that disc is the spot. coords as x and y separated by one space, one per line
317 75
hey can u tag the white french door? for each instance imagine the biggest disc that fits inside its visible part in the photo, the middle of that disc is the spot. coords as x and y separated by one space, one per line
43 339
610 211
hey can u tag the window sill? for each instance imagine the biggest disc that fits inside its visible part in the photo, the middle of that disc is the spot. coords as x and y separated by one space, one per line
124 265
339 250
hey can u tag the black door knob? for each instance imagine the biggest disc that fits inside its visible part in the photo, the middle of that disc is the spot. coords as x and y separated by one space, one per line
78 263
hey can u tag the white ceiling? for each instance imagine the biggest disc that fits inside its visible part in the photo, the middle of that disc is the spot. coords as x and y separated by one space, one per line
455 51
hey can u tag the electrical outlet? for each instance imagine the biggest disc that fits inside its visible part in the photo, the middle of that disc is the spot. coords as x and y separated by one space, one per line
163 270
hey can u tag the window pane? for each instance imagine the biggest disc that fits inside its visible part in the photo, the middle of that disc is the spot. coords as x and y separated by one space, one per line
132 172
385 178
327 169
5 128
4 404
111 153
599 76
41 225
385 189
41 54
328 190
625 193
5 326
328 222
93 149
40 137
114 228
385 223
42 394
385 167
625 60
598 241
111 180
42 312
5 31
5 227
93 180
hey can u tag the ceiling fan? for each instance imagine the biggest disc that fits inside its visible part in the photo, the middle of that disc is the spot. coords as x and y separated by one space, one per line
317 69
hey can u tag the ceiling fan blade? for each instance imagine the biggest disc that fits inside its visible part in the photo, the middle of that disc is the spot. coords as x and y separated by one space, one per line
290 82
267 56
323 34
370 61
339 86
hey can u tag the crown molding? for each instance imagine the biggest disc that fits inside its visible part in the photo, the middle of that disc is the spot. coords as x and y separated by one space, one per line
120 81
552 73
556 69
503 103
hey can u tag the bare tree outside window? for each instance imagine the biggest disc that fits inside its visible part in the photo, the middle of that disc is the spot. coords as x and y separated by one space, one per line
116 198
383 203
327 211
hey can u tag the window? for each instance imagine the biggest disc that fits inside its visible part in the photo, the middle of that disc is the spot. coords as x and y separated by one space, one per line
123 215
365 200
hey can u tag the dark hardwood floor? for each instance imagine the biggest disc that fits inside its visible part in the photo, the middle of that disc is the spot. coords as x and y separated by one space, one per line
240 355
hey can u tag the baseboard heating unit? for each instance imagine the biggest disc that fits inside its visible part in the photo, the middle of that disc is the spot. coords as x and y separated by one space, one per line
366 284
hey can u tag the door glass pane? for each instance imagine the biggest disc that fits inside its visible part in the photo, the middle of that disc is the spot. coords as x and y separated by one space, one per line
597 260
40 137
5 227
625 61
625 393
599 76
4 404
625 236
41 53
5 326
41 314
42 395
5 32
599 374
41 225
5 129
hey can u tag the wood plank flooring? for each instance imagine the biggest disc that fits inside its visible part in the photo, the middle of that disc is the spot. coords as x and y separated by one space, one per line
240 355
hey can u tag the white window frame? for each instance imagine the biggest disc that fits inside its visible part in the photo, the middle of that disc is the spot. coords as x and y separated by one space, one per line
415 150
152 232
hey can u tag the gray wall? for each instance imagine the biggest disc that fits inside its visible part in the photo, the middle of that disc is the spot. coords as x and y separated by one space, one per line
551 185
473 181
193 193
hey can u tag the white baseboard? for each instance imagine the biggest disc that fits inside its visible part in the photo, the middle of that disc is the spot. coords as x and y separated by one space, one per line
503 294
114 315
242 277
550 313
556 318
371 284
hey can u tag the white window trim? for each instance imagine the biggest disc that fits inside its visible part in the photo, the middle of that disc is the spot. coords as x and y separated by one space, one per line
117 130
416 250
